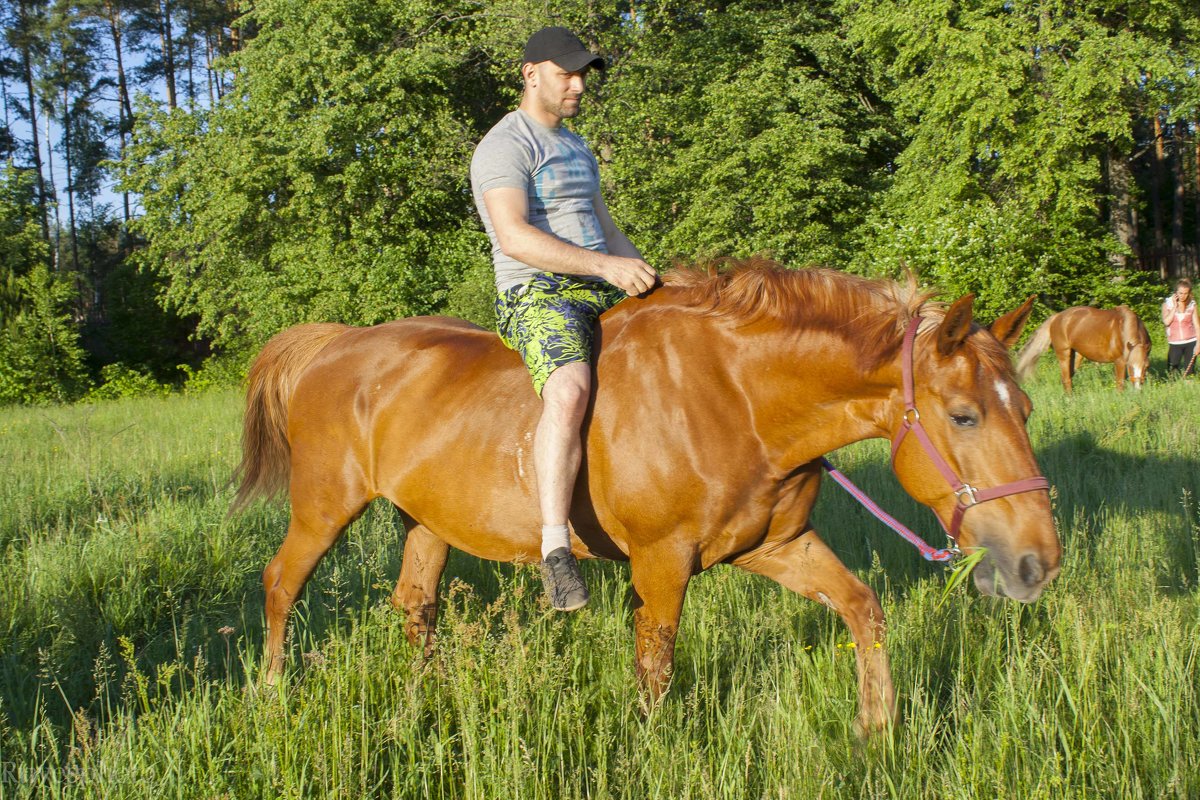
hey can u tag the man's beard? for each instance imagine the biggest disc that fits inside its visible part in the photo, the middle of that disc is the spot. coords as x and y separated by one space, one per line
561 108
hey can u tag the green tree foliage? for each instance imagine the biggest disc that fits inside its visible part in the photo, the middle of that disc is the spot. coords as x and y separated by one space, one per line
994 147
331 186
742 128
21 245
40 356
1010 111
127 324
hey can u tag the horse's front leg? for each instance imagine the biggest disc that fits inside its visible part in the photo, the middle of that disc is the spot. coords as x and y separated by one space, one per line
416 591
660 578
807 566
1119 373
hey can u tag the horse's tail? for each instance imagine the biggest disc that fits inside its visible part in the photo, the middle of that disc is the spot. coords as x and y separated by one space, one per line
1037 345
266 454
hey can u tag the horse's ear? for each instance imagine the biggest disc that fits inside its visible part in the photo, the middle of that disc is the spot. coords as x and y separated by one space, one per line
1008 328
957 324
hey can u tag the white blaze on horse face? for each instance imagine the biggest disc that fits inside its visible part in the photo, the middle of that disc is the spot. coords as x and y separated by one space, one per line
1003 393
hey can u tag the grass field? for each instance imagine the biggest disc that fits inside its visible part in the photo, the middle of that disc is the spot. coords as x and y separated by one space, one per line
131 627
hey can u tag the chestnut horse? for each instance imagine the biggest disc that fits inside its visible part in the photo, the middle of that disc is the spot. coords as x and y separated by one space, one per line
715 397
1114 336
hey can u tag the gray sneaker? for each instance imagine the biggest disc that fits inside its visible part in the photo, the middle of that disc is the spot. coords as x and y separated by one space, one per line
564 585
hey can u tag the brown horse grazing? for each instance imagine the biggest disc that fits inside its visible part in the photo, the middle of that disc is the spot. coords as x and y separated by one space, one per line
715 396
1117 337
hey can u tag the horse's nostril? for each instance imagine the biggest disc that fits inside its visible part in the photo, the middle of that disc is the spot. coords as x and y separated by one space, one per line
1031 570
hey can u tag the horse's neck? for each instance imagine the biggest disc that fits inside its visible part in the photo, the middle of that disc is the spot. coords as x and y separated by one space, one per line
806 393
814 396
1127 324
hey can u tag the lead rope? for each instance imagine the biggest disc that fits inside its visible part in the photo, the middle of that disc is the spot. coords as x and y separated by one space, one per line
933 554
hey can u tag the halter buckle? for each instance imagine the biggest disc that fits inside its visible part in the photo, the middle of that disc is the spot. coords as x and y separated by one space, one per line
967 491
916 416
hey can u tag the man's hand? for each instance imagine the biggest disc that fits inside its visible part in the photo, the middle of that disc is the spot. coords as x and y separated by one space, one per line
631 275
622 265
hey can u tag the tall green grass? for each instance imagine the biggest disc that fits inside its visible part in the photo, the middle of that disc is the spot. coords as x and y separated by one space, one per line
131 629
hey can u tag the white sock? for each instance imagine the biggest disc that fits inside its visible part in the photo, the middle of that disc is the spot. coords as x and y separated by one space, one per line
554 537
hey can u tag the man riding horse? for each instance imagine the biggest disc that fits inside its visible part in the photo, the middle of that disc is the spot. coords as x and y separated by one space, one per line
560 262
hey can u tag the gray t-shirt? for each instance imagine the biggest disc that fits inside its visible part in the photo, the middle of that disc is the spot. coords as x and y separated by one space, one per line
560 176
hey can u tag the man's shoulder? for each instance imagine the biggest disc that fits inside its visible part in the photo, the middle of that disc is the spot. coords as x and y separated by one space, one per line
504 156
506 137
511 127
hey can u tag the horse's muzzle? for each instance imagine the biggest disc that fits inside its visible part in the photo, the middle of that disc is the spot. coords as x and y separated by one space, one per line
1021 578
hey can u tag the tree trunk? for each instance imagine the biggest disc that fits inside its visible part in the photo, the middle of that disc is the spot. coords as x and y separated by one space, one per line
70 187
209 56
1120 178
7 119
124 105
218 49
1196 195
31 93
191 54
54 245
167 39
235 27
1178 148
1156 210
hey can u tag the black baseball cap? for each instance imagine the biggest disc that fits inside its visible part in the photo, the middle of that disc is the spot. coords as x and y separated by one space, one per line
563 48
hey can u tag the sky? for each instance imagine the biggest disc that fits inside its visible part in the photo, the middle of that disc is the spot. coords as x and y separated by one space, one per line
110 194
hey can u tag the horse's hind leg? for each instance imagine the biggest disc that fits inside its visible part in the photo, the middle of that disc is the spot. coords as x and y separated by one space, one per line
1066 366
807 566
317 522
416 591
660 578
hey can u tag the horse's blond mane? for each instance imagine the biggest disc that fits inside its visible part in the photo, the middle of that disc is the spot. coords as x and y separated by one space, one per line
872 311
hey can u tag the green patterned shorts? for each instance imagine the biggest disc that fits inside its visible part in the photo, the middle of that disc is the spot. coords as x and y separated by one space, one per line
550 320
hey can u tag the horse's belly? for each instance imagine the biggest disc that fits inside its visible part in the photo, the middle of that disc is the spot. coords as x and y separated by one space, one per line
461 463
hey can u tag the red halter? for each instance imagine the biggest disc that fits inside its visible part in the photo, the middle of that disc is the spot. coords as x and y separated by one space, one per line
967 494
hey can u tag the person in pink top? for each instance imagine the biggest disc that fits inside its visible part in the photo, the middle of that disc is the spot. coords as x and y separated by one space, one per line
1180 316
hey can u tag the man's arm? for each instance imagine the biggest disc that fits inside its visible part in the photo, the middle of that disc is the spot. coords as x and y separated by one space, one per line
508 210
618 243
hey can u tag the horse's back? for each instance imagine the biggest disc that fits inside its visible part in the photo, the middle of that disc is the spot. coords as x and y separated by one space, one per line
417 349
1094 333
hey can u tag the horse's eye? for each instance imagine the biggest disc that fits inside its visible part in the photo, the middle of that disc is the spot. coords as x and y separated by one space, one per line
963 420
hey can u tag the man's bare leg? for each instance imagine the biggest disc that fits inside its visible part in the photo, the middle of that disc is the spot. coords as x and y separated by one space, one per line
557 452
